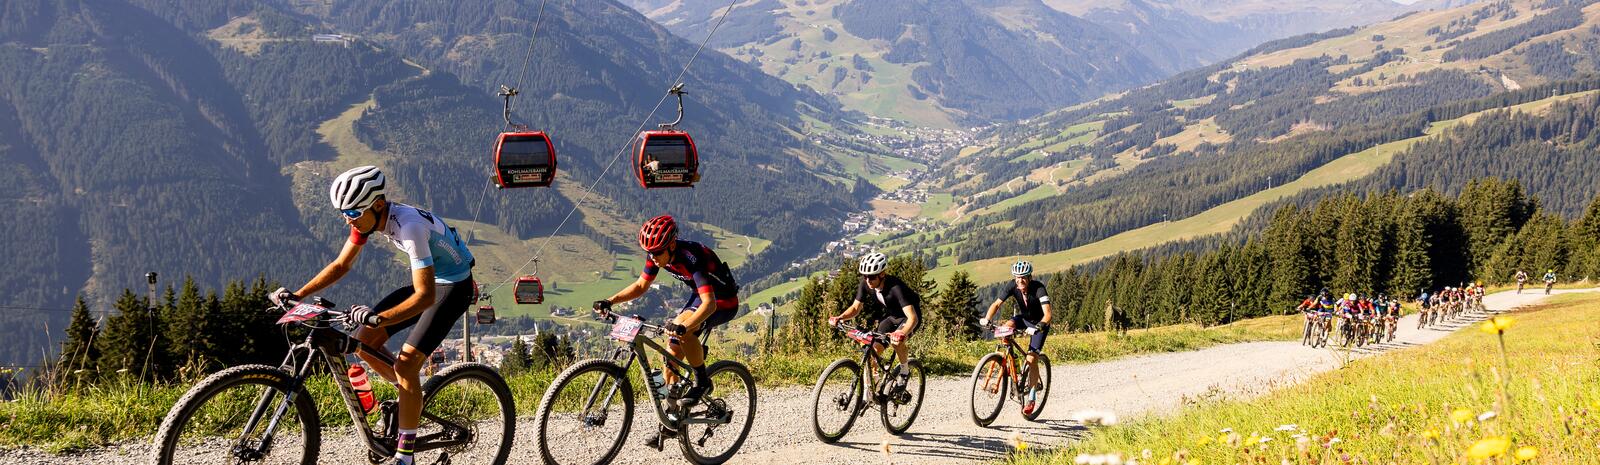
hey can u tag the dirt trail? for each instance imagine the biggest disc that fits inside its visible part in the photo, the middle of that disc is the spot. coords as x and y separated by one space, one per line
1129 387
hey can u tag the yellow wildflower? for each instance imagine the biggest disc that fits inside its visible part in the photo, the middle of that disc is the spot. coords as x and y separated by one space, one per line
1489 447
1431 434
1496 325
1461 415
1526 453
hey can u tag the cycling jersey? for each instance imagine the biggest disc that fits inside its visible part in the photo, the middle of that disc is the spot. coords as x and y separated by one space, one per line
894 296
696 265
1549 277
1030 303
427 241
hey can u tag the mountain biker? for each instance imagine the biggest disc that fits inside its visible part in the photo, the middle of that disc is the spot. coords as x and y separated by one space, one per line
441 287
1033 313
901 307
1522 278
715 302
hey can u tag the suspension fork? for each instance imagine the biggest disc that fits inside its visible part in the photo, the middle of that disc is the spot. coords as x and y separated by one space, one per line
264 402
594 394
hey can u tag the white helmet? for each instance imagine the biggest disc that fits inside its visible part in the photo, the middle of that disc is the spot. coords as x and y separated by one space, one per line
872 264
1022 268
356 189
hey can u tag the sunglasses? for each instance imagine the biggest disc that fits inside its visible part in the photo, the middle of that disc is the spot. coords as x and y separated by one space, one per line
875 277
352 214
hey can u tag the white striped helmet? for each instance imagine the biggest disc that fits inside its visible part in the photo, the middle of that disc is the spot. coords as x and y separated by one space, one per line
1022 268
356 189
872 264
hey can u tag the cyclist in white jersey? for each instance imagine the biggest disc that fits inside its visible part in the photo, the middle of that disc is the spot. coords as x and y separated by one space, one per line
441 287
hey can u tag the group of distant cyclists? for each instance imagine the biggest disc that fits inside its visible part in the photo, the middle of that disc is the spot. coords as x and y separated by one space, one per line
1355 318
442 289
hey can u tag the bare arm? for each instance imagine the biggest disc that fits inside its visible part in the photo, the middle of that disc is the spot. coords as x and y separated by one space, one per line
994 307
1047 313
633 291
855 309
333 272
422 297
708 304
911 319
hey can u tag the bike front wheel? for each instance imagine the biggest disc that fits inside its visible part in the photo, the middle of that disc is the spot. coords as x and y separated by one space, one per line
585 414
899 408
989 388
836 400
226 418
468 413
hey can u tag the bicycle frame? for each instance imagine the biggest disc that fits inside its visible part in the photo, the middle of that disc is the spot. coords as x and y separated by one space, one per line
1015 368
626 355
332 346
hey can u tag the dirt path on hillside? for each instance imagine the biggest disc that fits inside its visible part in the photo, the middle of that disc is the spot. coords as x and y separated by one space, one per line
1129 387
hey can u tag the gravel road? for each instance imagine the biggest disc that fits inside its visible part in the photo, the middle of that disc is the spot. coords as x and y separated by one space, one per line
1128 387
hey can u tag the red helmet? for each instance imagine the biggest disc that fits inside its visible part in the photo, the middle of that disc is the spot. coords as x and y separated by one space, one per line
657 233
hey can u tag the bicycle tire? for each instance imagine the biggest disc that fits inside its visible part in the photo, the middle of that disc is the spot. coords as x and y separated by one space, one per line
856 390
1305 337
921 378
1043 396
685 438
983 415
608 369
496 384
169 434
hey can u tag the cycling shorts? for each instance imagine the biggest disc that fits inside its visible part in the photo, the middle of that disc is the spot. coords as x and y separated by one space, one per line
1035 342
725 311
891 324
431 326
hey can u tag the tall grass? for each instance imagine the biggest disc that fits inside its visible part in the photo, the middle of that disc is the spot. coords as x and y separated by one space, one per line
1450 402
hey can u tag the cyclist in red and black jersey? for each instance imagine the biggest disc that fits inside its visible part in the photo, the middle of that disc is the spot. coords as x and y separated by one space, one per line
715 300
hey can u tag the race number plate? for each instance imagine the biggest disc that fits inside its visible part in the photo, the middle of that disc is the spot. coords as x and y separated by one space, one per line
1003 331
626 329
301 312
862 337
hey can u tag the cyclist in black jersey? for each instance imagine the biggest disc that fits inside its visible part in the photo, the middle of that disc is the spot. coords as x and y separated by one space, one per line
901 305
1033 314
714 302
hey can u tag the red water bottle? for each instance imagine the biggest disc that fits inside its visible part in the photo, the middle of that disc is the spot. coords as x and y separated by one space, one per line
358 381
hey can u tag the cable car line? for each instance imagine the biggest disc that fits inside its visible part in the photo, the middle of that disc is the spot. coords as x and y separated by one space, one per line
676 88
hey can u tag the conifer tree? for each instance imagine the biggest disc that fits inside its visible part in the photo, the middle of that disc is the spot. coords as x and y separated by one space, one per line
78 351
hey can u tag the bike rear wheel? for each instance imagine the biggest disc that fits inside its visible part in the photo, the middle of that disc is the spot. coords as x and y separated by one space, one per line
576 423
470 406
989 388
836 400
224 419
899 409
733 399
1042 394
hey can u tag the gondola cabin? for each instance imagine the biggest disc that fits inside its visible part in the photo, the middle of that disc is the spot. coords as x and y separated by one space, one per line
486 315
666 158
529 290
524 159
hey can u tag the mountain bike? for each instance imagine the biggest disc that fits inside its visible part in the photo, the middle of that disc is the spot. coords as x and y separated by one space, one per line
254 413
1316 330
1520 283
1548 285
587 412
1003 374
1391 323
842 390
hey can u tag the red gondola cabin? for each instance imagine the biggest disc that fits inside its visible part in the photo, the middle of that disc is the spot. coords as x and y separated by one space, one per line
529 290
666 158
486 315
524 159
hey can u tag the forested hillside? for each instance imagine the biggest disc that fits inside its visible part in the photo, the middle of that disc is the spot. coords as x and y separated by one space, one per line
1220 133
128 151
196 138
973 61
